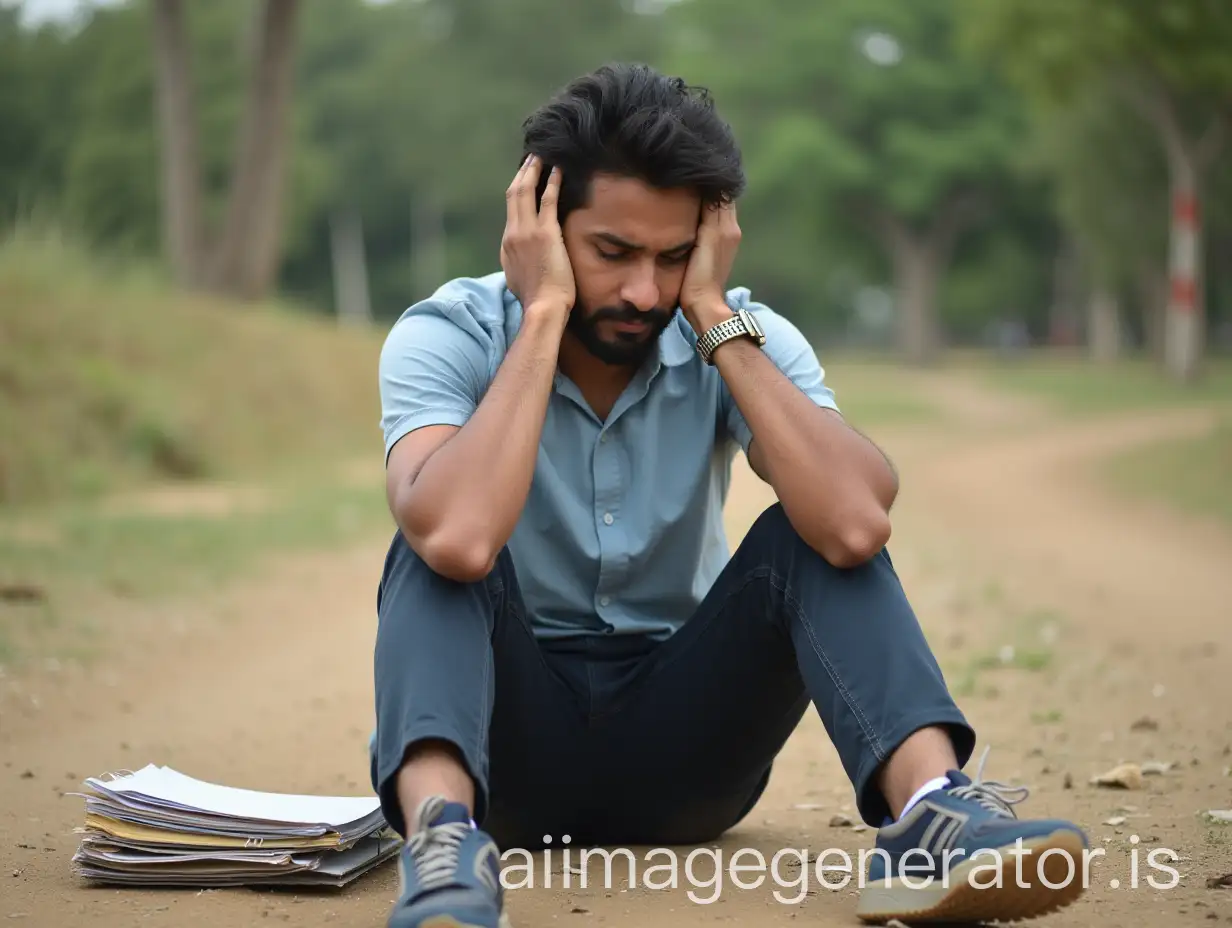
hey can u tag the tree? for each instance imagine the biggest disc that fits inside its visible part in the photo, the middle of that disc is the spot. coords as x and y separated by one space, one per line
1169 61
863 113
241 258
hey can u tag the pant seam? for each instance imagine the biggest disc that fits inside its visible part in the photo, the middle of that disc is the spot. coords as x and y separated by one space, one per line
794 605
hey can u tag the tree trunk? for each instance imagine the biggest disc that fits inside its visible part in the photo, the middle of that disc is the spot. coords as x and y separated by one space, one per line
1152 286
1104 326
350 269
919 260
1065 312
1184 319
176 114
249 247
916 274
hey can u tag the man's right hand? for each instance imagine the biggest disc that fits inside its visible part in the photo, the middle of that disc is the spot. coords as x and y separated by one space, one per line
533 254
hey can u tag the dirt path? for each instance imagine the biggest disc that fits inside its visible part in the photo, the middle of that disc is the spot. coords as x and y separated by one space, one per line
1001 541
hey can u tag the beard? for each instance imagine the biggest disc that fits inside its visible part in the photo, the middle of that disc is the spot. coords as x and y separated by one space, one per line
621 349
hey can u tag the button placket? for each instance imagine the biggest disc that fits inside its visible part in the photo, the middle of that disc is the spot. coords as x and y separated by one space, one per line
607 481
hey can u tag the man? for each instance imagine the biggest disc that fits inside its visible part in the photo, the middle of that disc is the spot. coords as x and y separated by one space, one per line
565 644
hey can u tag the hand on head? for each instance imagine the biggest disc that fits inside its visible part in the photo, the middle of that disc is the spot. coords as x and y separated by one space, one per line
705 280
533 255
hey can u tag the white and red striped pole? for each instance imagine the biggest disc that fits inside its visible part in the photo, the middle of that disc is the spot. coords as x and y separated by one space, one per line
1183 321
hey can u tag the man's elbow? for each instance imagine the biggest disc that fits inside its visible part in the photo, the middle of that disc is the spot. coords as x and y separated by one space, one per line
860 540
456 556
460 560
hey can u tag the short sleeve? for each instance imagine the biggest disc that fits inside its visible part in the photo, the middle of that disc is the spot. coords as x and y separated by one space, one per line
432 372
794 356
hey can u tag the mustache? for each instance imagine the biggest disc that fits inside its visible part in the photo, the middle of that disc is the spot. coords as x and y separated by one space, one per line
630 313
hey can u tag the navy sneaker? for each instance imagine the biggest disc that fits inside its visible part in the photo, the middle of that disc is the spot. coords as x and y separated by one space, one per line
960 854
449 872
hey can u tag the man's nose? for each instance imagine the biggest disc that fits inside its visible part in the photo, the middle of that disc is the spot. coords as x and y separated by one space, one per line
641 290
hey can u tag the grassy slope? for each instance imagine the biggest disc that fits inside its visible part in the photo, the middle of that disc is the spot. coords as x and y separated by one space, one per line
108 380
155 443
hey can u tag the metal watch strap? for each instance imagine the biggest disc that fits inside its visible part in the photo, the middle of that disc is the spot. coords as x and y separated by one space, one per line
735 327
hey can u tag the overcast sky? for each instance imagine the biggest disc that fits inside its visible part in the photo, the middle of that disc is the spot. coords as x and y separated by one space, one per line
39 11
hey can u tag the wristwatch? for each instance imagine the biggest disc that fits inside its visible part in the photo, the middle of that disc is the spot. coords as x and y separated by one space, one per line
740 325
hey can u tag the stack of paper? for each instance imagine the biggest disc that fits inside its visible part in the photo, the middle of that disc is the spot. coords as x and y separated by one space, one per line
157 827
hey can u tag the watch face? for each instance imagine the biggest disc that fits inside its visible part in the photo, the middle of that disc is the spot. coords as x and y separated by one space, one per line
756 329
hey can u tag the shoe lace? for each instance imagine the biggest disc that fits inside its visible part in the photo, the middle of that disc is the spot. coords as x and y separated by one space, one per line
998 798
434 848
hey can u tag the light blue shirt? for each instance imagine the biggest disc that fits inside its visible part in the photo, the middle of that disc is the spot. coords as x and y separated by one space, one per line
623 526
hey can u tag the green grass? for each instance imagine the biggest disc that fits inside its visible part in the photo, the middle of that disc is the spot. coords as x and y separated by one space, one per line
1074 386
876 393
112 382
109 378
1190 475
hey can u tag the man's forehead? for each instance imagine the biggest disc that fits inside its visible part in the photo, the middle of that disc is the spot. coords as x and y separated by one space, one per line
629 213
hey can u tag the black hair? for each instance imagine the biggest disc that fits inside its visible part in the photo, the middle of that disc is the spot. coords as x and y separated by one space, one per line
629 120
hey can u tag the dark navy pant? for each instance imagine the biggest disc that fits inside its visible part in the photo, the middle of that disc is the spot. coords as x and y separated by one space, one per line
624 740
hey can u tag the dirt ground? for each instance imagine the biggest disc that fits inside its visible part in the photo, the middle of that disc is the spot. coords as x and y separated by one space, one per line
1107 625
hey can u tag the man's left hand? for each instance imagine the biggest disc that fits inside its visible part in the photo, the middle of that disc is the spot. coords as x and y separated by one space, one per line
702 294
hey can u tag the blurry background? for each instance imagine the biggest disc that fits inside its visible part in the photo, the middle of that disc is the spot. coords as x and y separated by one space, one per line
922 172
210 212
1005 224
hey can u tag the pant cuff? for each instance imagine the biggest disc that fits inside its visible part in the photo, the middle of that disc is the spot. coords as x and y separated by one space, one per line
386 764
871 804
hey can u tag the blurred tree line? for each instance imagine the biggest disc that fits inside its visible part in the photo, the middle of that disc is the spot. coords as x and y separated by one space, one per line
922 172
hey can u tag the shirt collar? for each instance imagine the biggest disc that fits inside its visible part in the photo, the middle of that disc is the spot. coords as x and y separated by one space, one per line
677 345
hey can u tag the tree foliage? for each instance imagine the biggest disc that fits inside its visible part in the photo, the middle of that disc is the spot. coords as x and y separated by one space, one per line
942 153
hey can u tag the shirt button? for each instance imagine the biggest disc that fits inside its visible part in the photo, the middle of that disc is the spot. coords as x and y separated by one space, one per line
607 518
603 438
604 600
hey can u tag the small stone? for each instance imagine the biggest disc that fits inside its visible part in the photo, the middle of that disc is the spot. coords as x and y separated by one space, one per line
1154 768
1146 723
1123 776
1068 781
839 821
1115 820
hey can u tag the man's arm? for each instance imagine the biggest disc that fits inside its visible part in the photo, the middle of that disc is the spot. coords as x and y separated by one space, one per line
456 490
835 485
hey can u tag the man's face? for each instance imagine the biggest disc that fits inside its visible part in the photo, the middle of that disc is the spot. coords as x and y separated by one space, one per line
629 247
